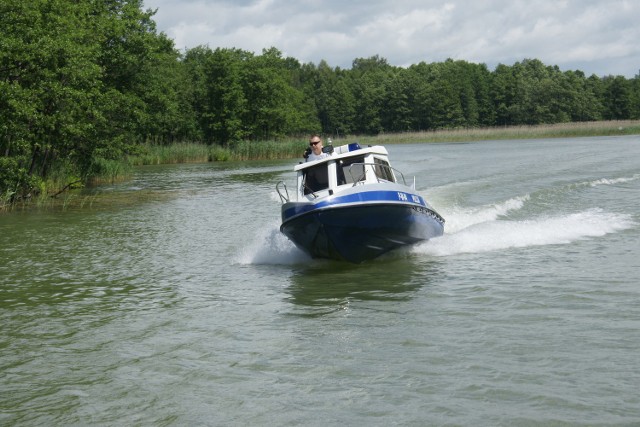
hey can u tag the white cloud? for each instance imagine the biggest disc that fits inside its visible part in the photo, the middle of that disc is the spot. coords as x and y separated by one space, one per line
596 36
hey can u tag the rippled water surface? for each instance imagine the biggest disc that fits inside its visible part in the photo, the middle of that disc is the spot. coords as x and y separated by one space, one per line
185 306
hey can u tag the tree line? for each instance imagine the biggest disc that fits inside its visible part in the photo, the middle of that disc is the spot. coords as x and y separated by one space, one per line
85 82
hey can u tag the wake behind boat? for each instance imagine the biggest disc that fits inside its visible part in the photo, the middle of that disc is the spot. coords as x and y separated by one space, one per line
354 206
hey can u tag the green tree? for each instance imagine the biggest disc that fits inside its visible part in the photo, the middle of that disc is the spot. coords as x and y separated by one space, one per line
141 78
164 93
635 97
503 94
369 77
226 102
275 107
442 97
82 81
50 84
617 98
583 101
396 108
334 101
194 66
481 80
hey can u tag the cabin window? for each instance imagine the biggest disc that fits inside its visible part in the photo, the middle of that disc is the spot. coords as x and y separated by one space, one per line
351 170
316 178
383 170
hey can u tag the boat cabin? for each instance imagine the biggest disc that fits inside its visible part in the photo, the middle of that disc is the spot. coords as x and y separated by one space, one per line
346 166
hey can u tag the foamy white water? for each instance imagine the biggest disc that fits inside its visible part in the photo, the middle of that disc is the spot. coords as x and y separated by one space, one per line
458 218
271 247
607 181
495 235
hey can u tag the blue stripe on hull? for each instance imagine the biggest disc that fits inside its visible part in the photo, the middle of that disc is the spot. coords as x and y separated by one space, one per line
377 196
361 232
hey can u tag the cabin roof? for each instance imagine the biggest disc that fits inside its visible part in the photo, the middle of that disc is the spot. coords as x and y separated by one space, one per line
342 152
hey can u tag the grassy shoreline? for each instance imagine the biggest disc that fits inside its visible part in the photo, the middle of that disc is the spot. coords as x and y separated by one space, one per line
292 148
559 130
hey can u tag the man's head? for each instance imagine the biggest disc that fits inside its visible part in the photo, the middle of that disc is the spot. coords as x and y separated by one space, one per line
316 144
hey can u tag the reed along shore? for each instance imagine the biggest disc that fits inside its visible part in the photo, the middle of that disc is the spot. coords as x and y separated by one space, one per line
293 147
57 188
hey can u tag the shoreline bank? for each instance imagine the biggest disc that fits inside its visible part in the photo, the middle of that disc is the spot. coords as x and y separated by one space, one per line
292 148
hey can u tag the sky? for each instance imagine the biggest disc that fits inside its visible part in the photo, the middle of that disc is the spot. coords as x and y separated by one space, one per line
600 37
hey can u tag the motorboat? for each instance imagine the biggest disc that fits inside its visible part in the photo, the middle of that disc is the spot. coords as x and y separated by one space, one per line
353 206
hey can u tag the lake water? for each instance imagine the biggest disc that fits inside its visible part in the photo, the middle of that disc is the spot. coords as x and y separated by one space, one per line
179 302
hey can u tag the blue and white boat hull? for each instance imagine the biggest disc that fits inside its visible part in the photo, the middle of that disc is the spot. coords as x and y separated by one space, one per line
360 225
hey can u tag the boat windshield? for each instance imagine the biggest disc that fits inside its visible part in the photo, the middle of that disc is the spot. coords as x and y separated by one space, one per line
348 170
315 178
383 170
351 170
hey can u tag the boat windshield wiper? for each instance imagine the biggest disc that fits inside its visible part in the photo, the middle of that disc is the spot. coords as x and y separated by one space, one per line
304 185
